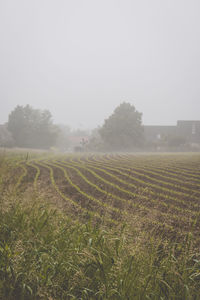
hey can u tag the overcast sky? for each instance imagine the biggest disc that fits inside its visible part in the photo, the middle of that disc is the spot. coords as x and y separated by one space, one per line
82 58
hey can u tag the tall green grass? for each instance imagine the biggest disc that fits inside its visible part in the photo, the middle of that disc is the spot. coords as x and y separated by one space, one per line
46 255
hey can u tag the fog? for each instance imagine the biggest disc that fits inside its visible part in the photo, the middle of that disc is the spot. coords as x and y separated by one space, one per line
81 59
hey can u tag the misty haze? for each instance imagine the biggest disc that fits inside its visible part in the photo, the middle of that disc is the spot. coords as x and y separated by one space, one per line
81 59
99 149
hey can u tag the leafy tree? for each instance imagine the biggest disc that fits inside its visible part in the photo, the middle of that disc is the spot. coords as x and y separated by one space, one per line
32 128
95 143
6 139
123 129
63 139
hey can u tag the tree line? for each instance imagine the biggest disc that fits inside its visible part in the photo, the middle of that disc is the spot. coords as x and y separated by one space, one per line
33 128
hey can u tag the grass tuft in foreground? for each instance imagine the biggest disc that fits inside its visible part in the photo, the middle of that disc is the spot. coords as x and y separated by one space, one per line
46 255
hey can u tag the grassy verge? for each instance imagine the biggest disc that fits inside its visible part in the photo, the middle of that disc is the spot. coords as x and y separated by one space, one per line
46 255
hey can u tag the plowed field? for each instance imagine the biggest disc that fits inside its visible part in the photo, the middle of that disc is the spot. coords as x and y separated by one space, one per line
154 192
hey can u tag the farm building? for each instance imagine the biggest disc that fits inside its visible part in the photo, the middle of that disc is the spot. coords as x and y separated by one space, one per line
187 130
190 130
154 133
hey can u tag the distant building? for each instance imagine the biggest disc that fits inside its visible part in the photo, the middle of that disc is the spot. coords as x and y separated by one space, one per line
190 130
154 133
187 130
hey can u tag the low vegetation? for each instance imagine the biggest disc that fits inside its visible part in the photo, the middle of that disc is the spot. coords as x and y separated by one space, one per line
99 226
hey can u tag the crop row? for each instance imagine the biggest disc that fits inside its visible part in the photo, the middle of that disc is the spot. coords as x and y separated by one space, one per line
150 164
149 178
106 189
183 217
86 210
158 170
78 202
154 193
165 164
157 202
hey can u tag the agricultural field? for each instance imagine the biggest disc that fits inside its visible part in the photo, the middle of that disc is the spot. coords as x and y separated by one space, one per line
162 191
156 198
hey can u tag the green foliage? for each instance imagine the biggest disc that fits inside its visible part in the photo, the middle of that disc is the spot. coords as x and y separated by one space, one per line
46 255
32 128
63 139
123 129
6 139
